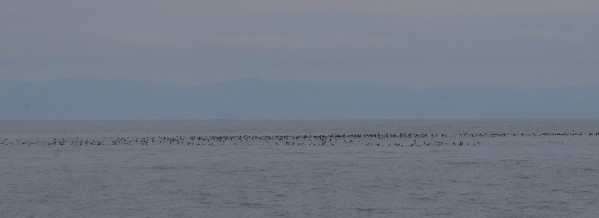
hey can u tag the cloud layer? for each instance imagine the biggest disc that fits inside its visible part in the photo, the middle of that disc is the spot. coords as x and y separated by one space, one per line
409 43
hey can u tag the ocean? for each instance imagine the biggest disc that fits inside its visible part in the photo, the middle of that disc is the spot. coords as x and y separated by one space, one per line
314 168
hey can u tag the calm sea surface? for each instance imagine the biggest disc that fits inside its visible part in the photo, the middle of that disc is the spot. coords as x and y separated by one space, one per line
218 127
511 169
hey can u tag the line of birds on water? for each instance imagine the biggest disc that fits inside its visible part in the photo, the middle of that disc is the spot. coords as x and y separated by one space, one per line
367 139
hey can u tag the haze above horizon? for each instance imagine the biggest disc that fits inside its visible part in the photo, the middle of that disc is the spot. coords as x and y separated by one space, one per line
412 43
94 99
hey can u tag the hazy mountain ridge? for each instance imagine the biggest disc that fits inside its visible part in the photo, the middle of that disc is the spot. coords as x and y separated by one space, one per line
85 98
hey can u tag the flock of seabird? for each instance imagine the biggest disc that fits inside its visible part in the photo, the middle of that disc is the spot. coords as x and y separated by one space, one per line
367 139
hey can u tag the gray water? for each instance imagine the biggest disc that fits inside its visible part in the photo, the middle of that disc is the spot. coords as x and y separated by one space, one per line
515 176
266 127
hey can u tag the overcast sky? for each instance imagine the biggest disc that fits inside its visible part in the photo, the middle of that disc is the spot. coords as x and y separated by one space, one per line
417 43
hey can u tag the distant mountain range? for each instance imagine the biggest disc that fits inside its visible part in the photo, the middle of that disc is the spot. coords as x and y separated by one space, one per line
92 99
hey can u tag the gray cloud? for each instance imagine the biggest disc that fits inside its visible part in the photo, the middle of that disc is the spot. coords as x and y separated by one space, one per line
411 43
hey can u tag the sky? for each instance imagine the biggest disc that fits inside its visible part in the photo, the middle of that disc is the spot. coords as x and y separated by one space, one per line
413 43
